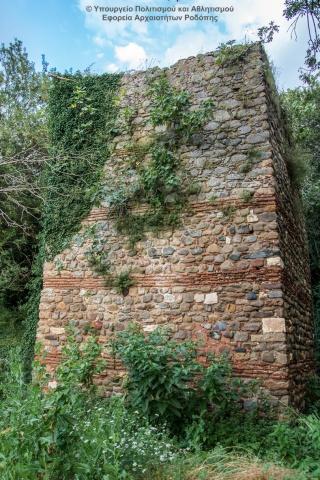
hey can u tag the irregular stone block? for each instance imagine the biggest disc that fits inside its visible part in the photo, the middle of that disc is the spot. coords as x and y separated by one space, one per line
275 262
273 325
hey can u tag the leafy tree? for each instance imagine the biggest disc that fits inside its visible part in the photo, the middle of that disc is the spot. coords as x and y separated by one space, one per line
294 11
23 149
303 107
310 10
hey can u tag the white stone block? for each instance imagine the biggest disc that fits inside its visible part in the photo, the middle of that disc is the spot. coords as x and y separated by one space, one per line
57 330
274 262
149 328
211 298
273 325
252 218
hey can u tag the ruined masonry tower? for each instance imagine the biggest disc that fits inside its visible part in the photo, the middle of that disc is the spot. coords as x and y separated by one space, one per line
234 275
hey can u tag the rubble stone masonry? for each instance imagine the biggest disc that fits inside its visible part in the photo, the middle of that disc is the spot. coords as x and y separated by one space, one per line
234 275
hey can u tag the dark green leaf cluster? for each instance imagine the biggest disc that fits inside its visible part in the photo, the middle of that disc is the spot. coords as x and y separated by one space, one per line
82 111
68 431
82 114
303 106
167 383
99 262
171 108
122 282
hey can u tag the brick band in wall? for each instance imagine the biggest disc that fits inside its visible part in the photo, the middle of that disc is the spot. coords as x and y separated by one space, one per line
217 278
103 213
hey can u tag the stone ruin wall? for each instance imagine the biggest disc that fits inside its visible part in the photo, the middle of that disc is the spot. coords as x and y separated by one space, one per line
235 283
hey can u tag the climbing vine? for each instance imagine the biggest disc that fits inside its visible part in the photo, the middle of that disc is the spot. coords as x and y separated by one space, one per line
81 116
82 111
160 184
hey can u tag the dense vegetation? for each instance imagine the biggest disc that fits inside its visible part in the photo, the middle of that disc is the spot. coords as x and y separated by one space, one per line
177 420
303 108
166 427
81 116
23 151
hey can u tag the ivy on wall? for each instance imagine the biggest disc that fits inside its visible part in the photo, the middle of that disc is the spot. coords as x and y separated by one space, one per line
82 115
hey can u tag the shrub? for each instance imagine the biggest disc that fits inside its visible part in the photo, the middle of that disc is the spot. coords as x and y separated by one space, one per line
167 383
230 53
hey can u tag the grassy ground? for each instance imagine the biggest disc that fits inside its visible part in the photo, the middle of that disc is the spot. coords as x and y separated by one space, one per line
223 464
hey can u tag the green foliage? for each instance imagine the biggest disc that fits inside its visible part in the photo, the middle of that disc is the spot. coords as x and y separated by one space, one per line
124 122
167 383
297 443
230 53
298 165
98 256
16 253
154 220
159 372
159 185
159 178
252 156
119 199
71 432
137 153
23 94
246 195
99 262
294 11
213 199
23 150
122 282
270 72
246 166
312 397
10 335
82 112
193 189
171 108
228 211
266 33
303 106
